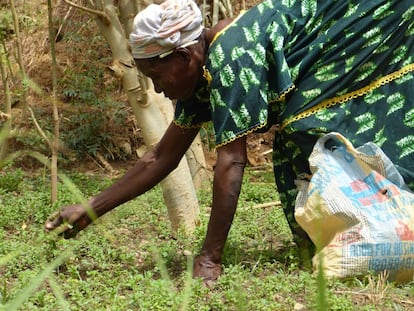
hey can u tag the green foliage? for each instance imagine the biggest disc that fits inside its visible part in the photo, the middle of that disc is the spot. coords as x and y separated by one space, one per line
10 179
130 259
87 136
30 139
88 130
6 23
89 115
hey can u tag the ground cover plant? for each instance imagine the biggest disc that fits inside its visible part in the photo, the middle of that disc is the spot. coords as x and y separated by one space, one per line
131 260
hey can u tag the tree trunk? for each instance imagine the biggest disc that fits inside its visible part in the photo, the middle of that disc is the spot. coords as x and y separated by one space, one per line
197 163
5 132
55 140
195 154
24 79
178 190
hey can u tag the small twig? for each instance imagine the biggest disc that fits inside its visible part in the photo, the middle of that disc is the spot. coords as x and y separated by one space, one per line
39 129
105 163
4 116
223 9
98 13
63 21
264 205
404 301
96 161
266 152
215 12
229 7
351 292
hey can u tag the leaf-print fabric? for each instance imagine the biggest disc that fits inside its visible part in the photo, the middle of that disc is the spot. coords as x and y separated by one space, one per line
313 67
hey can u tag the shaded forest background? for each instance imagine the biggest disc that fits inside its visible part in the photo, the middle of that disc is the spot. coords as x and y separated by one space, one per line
97 126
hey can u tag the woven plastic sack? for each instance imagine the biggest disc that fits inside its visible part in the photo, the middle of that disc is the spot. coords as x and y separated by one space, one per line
357 210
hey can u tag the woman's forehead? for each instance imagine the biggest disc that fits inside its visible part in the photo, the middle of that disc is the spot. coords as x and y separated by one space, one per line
155 65
148 65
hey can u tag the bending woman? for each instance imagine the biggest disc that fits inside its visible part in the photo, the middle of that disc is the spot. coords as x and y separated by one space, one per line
308 67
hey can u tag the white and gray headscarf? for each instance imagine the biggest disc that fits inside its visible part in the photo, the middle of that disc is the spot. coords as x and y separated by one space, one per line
159 29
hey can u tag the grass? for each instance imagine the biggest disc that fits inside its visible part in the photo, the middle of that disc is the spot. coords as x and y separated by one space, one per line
130 260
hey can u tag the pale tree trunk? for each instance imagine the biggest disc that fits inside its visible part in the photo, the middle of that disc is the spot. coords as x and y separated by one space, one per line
19 49
197 163
179 194
195 154
178 190
55 140
5 132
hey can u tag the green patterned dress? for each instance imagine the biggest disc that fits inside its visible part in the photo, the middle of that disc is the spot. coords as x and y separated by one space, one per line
312 67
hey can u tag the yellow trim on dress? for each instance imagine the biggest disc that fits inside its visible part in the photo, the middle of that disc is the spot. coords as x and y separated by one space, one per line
242 134
207 75
282 96
330 102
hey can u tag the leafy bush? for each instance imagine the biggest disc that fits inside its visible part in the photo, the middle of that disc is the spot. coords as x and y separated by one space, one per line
10 179
6 23
89 130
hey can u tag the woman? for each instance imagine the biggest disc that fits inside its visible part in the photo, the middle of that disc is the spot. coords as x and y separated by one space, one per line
308 67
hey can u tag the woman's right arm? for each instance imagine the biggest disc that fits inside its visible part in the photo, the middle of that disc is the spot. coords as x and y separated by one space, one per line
148 171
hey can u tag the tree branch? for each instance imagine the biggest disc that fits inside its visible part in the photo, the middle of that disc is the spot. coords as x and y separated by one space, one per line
98 13
39 129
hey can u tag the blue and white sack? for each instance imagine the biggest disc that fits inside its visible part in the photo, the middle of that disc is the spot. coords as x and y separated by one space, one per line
357 210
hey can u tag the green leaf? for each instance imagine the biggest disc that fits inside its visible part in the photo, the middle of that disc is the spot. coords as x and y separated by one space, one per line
217 57
309 7
252 34
241 117
407 146
396 102
366 122
409 118
248 78
258 55
326 73
227 76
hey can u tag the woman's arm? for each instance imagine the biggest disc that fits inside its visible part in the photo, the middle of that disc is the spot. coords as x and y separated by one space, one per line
228 177
154 166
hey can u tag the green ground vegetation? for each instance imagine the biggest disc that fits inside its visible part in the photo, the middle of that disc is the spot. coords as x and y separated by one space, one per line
130 259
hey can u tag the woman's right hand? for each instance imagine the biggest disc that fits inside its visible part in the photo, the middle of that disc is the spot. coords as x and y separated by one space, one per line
206 269
69 220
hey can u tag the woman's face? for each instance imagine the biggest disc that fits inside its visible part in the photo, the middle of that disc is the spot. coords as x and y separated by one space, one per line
176 76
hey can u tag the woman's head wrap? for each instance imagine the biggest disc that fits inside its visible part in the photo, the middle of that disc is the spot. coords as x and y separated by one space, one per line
161 28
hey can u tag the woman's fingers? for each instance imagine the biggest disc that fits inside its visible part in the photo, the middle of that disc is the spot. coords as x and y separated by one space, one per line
54 221
68 221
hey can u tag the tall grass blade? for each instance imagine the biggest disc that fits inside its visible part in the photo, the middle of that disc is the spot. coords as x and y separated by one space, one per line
186 293
34 284
321 301
58 293
321 296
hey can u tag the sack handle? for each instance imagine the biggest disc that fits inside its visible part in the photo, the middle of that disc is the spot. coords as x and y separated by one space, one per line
320 144
377 161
